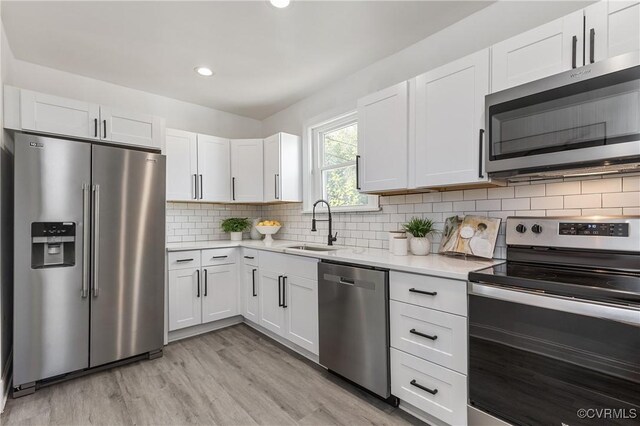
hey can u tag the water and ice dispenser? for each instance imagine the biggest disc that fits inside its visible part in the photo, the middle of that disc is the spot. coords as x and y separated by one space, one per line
53 244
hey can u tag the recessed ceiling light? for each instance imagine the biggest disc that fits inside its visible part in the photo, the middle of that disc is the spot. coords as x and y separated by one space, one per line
204 71
280 3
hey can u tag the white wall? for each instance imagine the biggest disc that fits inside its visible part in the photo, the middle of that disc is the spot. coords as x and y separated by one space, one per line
178 114
484 28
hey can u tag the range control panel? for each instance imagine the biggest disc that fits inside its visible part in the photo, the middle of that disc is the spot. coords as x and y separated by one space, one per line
598 229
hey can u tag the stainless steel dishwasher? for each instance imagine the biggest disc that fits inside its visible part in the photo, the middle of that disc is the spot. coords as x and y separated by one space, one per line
354 325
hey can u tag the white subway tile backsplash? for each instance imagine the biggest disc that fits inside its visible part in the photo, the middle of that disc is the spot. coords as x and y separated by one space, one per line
583 201
574 197
563 188
601 185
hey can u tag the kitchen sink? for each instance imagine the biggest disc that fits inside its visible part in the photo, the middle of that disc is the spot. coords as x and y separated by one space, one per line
312 248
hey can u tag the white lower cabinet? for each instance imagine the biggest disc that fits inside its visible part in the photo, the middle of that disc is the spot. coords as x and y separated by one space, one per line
185 307
301 295
435 390
201 294
272 315
251 293
219 293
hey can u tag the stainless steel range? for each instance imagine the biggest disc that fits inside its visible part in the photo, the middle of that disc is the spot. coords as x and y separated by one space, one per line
554 333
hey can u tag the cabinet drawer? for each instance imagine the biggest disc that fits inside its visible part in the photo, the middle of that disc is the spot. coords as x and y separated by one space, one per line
184 259
412 379
447 344
442 294
250 257
212 257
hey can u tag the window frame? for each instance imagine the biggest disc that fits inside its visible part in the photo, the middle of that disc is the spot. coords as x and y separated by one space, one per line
313 185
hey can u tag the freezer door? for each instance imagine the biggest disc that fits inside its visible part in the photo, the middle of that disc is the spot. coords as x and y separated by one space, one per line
51 311
127 288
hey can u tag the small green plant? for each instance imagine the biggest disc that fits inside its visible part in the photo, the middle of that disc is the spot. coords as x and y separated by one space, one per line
419 227
236 224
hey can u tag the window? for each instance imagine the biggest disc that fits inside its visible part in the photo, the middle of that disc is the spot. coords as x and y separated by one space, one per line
334 148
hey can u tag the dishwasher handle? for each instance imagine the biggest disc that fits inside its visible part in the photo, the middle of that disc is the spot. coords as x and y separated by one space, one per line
349 281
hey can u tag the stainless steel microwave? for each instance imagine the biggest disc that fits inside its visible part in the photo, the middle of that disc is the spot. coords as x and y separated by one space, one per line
582 121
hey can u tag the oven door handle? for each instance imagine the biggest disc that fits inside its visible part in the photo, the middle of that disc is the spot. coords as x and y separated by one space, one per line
558 303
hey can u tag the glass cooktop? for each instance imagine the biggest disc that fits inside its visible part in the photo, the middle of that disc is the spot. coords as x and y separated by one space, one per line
598 285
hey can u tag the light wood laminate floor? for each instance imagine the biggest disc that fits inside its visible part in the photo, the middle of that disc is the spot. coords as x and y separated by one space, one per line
234 376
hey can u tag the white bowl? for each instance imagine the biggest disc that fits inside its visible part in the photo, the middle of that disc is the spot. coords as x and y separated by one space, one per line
267 231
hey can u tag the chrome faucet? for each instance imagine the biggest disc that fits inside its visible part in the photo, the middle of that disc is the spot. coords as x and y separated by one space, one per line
331 238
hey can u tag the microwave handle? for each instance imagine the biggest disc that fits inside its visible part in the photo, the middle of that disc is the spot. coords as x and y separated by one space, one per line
557 303
480 158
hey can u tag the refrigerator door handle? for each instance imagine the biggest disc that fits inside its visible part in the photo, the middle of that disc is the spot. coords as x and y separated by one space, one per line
86 239
96 237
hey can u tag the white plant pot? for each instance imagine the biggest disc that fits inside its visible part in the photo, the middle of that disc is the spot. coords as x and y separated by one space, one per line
420 246
236 236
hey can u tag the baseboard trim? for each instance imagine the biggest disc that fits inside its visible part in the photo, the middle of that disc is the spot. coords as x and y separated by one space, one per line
421 415
187 332
5 380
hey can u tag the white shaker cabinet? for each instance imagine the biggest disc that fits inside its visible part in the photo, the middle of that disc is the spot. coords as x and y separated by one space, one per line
449 122
246 170
185 306
543 51
383 140
612 28
214 169
272 315
130 128
181 149
44 113
301 308
251 293
219 292
282 168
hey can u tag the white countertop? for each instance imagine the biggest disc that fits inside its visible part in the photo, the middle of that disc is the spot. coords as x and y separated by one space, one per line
433 264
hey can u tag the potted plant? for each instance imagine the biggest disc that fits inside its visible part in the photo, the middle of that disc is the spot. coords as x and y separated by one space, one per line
236 226
420 229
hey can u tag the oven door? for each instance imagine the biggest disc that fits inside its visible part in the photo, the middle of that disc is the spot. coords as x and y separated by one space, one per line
581 118
539 359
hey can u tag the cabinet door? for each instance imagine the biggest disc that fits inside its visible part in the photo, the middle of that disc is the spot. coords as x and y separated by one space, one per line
251 295
543 51
301 308
214 162
272 177
182 166
219 292
185 307
449 118
246 170
130 128
60 116
382 139
272 315
612 29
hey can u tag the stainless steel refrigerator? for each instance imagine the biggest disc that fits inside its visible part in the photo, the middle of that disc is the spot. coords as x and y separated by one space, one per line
89 257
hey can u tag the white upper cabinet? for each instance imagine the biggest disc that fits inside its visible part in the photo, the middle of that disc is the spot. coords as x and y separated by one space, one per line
214 174
181 150
282 168
52 114
246 170
449 122
382 139
42 113
130 128
612 28
543 51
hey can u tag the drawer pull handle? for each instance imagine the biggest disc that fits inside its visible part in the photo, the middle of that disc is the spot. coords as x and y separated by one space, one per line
428 293
184 260
413 331
219 257
249 257
419 386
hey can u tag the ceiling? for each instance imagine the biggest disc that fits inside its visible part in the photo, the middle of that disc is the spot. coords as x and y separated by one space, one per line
264 58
